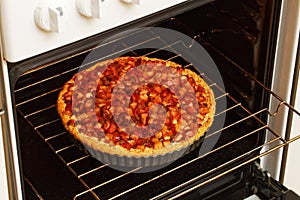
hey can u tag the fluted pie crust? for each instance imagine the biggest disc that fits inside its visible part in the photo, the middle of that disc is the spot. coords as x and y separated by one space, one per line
107 142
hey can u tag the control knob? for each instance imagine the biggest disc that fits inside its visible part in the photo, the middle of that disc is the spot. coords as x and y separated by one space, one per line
89 8
49 16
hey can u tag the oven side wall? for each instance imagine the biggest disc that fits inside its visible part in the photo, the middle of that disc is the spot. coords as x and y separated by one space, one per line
282 83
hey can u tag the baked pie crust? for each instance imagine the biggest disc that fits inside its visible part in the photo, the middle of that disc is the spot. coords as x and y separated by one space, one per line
86 108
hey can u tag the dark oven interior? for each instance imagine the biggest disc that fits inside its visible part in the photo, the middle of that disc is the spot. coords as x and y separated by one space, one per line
239 36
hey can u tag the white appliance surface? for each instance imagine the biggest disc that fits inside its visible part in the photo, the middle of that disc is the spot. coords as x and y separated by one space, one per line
293 161
36 26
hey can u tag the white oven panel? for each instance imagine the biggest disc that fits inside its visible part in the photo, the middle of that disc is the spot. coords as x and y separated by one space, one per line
36 26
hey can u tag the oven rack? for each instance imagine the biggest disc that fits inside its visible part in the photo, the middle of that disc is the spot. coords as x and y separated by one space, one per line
57 140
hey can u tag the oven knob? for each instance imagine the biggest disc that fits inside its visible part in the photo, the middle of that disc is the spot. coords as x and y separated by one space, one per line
49 18
132 1
89 8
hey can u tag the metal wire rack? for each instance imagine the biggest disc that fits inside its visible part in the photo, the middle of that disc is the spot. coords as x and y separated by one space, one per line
39 110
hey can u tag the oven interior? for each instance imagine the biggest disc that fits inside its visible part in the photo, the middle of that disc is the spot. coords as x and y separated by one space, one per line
240 38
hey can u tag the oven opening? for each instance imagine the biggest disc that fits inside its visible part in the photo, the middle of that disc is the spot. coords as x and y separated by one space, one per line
55 168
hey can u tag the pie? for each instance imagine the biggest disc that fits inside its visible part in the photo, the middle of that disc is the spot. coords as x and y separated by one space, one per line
136 107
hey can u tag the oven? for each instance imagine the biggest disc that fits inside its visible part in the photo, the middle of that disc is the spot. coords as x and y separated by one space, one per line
244 49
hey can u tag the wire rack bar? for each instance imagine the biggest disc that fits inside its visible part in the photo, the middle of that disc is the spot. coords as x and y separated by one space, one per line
64 148
41 110
228 109
45 124
93 170
54 136
79 159
33 188
111 180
